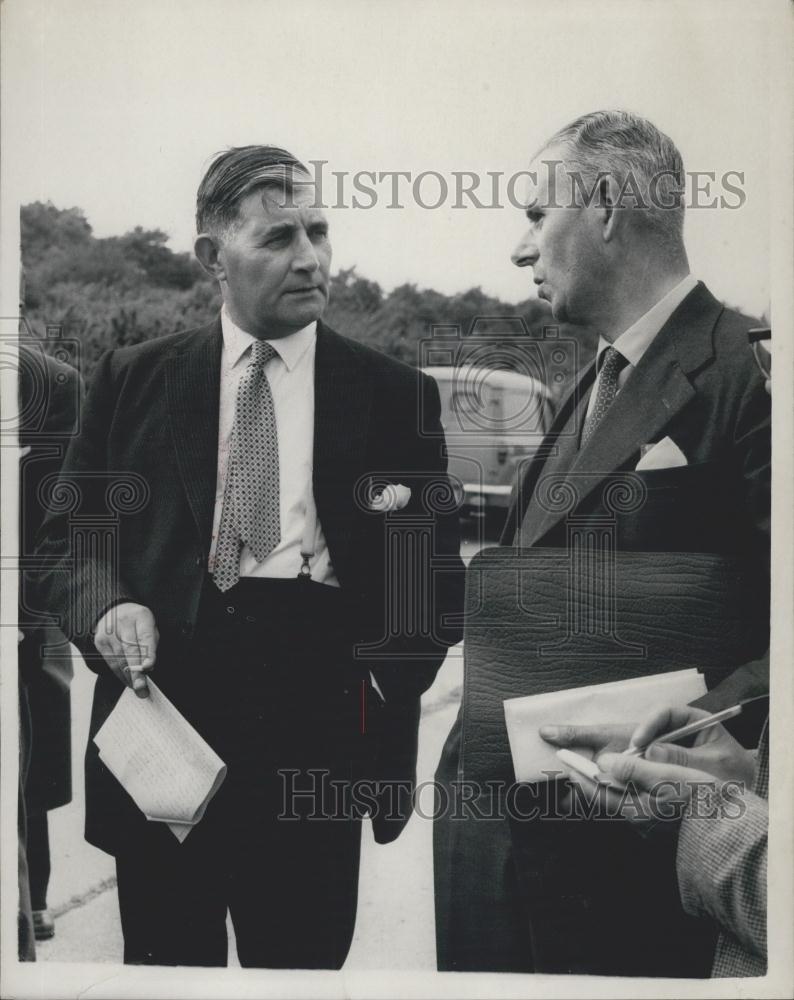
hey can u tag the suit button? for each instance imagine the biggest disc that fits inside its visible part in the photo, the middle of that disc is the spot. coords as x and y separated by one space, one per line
187 629
199 559
230 609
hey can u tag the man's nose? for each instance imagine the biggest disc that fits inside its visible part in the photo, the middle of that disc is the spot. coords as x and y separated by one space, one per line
305 258
525 253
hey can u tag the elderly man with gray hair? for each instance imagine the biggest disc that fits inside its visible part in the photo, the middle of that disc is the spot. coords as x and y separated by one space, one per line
673 401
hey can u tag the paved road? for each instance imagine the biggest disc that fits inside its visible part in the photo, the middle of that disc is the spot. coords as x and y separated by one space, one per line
395 924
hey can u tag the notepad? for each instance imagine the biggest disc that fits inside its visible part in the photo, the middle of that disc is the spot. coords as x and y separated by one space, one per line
167 768
625 701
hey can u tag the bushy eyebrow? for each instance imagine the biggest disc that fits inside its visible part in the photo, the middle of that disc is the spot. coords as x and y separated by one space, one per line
279 229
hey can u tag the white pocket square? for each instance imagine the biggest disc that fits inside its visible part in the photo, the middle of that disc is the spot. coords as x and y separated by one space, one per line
394 497
665 454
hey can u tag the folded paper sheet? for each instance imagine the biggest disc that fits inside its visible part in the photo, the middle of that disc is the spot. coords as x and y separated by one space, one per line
617 701
169 771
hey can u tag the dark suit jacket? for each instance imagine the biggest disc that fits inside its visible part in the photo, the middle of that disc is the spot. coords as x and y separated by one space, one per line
50 393
147 457
698 384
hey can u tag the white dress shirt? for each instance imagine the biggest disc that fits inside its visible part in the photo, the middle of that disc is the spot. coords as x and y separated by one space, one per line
635 341
291 378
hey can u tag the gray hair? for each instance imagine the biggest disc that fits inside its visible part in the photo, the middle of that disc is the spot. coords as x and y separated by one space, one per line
643 161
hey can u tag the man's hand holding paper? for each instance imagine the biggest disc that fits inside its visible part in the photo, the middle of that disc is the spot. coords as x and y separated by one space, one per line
590 741
126 636
592 707
664 780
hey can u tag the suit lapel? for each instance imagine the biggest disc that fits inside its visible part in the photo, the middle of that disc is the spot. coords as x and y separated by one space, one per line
193 391
342 403
640 412
657 390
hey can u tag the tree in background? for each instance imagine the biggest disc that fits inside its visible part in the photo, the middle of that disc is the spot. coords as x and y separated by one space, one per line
113 291
108 292
493 333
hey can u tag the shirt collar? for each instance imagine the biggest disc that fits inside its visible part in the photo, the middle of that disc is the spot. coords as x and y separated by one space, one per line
635 341
290 348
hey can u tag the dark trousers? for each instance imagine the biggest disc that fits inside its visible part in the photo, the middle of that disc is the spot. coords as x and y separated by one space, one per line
290 888
26 942
270 685
38 857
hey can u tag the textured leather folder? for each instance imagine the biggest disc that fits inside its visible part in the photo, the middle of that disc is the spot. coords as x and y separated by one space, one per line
549 619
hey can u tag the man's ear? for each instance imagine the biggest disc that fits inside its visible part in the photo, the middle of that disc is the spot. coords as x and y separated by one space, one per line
609 204
207 253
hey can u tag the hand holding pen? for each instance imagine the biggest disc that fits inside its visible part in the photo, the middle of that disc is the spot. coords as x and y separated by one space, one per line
714 750
617 755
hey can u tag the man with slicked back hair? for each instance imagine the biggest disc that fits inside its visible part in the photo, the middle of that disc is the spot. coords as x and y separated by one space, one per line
254 584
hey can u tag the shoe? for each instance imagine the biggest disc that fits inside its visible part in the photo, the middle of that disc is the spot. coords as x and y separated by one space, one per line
43 925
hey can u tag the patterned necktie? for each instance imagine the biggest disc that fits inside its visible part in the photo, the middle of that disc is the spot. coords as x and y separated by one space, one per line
250 513
613 365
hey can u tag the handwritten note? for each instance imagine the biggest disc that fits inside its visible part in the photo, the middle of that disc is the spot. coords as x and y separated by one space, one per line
616 701
168 769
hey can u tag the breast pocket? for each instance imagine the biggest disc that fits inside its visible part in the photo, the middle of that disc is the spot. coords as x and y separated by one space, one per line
691 508
681 478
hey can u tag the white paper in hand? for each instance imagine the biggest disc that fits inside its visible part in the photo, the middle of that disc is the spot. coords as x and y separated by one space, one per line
616 701
167 768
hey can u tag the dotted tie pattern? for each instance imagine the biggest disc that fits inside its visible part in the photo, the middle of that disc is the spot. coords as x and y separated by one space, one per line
612 365
250 513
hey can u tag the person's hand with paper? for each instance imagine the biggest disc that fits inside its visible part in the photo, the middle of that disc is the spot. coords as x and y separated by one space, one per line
664 779
126 636
590 741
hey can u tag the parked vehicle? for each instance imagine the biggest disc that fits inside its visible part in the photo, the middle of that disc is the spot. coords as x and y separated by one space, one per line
493 420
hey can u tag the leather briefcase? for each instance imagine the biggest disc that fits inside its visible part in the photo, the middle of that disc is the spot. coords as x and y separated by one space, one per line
547 619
